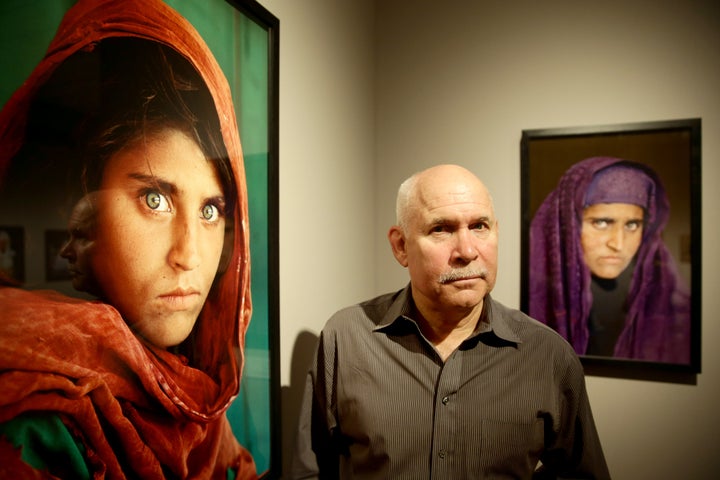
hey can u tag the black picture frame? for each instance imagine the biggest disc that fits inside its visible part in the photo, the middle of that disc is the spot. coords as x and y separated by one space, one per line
265 203
671 148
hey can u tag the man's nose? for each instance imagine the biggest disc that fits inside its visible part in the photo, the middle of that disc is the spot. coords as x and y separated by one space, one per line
67 252
465 247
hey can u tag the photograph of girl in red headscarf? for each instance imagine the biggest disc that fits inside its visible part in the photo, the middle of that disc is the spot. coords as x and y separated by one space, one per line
125 133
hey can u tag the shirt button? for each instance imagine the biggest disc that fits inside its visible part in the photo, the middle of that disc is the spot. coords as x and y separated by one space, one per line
445 400
442 453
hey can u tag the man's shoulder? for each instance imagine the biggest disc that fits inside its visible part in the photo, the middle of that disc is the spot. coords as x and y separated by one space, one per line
528 330
369 312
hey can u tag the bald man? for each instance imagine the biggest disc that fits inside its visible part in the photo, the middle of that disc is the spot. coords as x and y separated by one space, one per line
80 244
438 380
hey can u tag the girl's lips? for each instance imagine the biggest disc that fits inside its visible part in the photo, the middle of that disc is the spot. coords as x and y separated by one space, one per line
180 299
179 292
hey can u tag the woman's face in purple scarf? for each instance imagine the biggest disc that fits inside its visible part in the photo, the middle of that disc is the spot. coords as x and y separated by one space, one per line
610 236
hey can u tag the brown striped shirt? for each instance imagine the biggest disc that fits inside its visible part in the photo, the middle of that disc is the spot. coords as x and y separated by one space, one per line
380 403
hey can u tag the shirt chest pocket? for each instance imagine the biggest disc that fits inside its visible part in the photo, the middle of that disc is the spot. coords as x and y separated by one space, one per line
509 449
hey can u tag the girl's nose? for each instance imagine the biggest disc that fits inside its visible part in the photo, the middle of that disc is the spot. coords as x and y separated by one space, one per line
184 253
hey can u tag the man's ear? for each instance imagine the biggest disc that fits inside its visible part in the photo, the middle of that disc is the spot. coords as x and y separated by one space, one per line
397 242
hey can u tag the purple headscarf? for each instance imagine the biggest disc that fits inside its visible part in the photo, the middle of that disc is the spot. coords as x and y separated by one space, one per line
621 183
657 325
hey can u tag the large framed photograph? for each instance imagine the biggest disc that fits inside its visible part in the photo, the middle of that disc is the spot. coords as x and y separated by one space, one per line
243 37
611 242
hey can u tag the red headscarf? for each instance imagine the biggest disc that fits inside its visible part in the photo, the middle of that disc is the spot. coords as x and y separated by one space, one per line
141 412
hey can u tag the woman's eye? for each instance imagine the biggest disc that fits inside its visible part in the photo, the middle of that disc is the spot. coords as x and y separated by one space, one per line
600 224
633 226
210 213
157 201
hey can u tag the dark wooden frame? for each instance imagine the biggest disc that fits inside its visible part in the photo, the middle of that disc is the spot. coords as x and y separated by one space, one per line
547 153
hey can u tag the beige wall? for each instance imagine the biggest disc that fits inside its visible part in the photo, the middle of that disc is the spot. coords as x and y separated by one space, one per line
327 182
371 92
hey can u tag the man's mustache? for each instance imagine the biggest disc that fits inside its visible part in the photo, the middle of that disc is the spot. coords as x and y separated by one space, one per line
463 273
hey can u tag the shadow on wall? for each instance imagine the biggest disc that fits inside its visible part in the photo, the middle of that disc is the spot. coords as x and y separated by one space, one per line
291 396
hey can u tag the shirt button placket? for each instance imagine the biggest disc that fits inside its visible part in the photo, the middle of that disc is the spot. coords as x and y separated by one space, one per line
446 422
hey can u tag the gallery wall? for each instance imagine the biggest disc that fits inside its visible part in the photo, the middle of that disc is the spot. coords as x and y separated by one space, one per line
327 182
371 92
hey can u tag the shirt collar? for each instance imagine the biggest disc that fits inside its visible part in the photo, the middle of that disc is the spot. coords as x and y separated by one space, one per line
492 320
400 308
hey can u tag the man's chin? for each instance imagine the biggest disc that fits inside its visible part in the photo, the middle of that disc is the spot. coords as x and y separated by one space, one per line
467 298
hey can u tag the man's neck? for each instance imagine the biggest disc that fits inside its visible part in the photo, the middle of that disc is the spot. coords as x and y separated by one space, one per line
446 330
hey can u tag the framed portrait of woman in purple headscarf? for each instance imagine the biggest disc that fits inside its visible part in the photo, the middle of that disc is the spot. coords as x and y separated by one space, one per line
611 242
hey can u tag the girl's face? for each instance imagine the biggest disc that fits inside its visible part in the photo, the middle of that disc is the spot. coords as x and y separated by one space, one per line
161 223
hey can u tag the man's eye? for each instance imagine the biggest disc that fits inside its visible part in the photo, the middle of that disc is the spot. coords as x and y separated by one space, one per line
79 234
157 201
210 213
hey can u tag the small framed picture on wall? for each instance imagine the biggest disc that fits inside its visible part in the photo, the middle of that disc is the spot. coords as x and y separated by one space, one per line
611 240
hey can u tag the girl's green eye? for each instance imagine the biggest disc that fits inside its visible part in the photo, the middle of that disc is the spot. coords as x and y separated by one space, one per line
156 201
210 213
153 200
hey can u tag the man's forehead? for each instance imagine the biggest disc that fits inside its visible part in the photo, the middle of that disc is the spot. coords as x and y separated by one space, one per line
450 191
458 211
458 197
452 212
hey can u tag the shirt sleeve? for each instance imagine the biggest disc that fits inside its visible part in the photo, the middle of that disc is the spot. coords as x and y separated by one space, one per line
316 453
574 449
47 445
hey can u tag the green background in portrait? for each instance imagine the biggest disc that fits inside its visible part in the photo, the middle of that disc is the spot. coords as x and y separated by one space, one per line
241 48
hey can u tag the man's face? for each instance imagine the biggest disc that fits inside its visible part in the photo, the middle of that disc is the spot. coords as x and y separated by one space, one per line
450 244
78 249
611 235
160 231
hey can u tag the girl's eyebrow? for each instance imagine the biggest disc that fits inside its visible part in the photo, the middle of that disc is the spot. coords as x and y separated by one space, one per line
163 185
